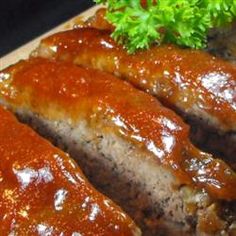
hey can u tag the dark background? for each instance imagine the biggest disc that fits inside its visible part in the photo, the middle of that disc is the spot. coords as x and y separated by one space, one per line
23 20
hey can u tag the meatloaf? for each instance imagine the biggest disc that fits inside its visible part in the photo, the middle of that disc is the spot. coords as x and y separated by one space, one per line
43 191
130 146
197 85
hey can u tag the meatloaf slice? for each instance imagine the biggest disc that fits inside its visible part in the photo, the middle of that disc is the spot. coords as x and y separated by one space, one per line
198 86
130 146
43 192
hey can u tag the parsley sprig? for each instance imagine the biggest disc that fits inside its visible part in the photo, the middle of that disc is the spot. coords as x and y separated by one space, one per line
182 22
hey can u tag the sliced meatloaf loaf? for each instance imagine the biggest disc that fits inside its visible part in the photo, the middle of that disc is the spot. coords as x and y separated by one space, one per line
134 149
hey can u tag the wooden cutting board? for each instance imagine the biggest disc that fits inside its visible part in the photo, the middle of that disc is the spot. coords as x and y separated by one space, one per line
24 51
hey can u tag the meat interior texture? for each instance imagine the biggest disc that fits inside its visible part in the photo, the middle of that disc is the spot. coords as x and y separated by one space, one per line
198 86
128 144
43 192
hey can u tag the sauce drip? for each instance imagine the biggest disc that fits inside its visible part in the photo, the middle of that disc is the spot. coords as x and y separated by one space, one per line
43 192
59 90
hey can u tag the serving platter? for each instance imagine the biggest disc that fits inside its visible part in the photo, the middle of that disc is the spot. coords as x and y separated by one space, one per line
24 51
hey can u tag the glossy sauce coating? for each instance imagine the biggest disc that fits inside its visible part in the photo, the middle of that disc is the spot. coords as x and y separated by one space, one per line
98 21
43 192
59 90
189 80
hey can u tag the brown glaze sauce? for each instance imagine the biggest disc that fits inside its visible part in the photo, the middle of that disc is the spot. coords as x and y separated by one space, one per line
60 90
187 79
98 21
43 192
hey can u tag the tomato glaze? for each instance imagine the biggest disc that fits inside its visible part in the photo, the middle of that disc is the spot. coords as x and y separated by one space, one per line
189 80
43 192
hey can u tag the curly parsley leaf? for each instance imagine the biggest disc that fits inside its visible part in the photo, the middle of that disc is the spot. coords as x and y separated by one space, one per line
183 22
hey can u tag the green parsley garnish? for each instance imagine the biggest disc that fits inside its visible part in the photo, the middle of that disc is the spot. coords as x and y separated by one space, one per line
182 22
